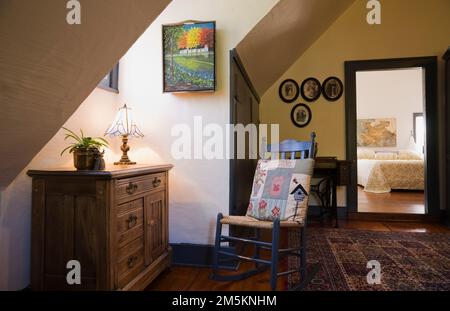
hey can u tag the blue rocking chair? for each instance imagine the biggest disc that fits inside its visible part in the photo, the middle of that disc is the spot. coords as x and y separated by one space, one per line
288 149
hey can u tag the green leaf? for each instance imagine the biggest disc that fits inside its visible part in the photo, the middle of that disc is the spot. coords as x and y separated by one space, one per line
71 134
62 152
103 140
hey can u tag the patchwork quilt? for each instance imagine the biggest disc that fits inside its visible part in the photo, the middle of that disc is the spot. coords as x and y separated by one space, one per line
281 190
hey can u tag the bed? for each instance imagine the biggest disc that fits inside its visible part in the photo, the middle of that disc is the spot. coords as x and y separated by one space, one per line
383 174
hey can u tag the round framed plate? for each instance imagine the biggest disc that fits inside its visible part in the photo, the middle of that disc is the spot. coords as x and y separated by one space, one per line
311 89
289 91
332 88
301 115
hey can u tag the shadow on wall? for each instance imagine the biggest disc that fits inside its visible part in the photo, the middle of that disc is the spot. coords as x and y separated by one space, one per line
15 212
94 115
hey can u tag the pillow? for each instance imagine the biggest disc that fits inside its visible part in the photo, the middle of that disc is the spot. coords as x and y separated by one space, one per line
281 190
366 154
386 156
409 155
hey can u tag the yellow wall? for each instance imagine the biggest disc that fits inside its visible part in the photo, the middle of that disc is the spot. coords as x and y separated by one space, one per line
409 28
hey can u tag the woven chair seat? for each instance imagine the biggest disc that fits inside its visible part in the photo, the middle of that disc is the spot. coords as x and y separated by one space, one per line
251 222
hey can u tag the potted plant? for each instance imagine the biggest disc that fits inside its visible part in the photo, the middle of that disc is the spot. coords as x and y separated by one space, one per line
86 150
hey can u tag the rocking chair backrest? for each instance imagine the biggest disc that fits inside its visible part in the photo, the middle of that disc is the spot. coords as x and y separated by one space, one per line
293 149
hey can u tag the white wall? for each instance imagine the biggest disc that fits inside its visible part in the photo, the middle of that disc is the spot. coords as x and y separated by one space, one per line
198 188
391 94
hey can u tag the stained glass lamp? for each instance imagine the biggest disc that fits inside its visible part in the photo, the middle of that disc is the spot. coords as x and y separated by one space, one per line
124 126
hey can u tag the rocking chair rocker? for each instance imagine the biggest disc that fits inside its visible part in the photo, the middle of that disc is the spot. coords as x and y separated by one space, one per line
296 150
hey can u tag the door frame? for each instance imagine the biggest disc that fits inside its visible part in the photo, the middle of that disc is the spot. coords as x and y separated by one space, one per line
234 58
429 63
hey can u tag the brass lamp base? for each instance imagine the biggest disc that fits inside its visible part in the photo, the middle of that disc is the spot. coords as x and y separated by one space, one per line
124 163
124 160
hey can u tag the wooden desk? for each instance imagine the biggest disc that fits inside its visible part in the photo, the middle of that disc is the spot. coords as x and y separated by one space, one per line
339 173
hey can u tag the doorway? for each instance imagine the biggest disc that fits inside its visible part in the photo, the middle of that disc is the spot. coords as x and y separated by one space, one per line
244 109
391 114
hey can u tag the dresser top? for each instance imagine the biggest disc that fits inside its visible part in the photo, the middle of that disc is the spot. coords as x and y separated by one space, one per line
111 171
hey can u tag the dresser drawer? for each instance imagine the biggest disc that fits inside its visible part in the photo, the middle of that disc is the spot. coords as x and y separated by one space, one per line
130 248
132 186
129 206
130 266
130 226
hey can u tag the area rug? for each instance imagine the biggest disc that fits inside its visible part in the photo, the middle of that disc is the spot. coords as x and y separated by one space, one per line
409 261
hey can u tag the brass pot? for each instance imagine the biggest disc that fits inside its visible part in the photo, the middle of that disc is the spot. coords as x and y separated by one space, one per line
84 159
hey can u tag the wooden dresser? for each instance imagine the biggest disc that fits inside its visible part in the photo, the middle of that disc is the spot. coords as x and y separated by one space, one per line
113 222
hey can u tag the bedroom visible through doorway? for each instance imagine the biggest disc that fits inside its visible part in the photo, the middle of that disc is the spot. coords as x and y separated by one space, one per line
390 137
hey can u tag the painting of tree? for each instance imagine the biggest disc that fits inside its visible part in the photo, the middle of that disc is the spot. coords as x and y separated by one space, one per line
171 37
189 57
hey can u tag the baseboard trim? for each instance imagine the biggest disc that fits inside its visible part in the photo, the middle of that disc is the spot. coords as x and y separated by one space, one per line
199 255
314 211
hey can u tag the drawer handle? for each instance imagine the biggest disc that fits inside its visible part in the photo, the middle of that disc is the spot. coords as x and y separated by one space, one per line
131 261
132 220
156 182
131 188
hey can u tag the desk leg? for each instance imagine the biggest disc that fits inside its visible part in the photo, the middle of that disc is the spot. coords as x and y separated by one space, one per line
334 200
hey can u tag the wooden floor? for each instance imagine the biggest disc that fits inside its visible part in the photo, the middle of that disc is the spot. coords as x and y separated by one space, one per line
197 279
400 202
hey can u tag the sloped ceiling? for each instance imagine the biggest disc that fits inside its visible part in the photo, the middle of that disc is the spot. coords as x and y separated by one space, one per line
48 67
283 35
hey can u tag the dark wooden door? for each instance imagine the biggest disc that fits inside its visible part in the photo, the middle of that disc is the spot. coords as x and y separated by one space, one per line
245 111
156 226
447 132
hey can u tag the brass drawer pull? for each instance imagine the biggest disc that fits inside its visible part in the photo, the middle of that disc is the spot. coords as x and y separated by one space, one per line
132 220
156 182
131 261
131 188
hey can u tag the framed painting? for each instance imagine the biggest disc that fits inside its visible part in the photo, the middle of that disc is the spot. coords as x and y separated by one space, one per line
110 82
332 88
301 115
189 58
289 91
311 89
376 132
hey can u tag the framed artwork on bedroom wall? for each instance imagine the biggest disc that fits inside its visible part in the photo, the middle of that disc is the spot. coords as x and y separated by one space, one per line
110 82
376 132
189 58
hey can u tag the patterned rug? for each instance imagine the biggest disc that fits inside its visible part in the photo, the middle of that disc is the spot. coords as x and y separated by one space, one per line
409 261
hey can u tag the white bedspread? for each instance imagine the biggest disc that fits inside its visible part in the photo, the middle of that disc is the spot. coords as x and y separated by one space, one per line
381 176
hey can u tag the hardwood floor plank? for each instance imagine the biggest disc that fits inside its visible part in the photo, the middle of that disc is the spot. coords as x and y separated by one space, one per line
197 279
401 202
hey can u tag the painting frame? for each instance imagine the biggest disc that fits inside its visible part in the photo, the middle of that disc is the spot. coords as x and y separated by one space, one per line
111 81
167 87
318 90
308 115
376 132
283 96
325 92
